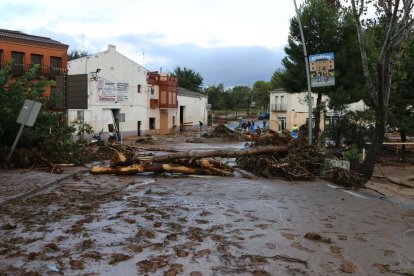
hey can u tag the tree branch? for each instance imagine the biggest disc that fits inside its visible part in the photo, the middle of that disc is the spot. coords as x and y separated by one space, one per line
361 39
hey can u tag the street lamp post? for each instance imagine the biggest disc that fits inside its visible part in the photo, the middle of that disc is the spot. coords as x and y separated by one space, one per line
307 77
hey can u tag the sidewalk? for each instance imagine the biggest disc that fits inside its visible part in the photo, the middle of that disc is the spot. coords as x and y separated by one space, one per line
15 184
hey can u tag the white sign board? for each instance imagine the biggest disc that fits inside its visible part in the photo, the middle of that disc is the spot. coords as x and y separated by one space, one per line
29 112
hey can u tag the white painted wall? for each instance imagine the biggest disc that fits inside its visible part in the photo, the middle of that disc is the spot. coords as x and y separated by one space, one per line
116 69
195 109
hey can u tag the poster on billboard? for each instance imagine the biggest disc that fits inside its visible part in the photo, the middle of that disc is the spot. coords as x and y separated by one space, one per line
321 67
109 91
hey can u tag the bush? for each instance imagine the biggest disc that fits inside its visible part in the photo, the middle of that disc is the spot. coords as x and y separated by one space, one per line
49 134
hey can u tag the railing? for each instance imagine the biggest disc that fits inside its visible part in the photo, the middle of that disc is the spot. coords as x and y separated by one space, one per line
18 69
278 107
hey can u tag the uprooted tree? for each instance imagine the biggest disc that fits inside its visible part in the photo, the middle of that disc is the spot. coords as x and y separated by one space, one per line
395 19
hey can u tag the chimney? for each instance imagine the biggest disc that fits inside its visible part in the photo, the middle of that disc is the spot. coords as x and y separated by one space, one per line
111 48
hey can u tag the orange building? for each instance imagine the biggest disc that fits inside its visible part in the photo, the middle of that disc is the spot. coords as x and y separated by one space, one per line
27 50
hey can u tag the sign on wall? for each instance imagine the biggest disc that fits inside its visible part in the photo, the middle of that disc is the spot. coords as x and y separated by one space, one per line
109 91
321 67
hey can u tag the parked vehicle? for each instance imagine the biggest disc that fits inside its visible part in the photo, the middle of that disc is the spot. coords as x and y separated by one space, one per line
264 116
97 139
113 136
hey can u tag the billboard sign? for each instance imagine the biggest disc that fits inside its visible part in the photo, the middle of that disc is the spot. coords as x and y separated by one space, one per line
321 67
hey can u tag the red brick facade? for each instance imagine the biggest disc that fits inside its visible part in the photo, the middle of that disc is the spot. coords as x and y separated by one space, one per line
26 50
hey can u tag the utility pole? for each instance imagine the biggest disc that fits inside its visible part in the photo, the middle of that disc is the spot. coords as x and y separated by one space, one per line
307 77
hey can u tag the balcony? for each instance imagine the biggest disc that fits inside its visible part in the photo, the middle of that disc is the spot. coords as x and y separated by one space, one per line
278 107
44 70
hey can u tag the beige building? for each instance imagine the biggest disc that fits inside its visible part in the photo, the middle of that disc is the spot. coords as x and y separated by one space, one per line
289 109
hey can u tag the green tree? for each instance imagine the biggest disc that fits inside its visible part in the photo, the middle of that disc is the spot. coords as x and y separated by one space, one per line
48 135
395 19
276 80
401 106
74 54
261 94
216 96
239 98
188 79
326 29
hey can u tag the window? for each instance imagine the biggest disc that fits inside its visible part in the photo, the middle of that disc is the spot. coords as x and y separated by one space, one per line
139 88
152 90
17 58
151 123
281 123
36 59
79 116
1 56
55 66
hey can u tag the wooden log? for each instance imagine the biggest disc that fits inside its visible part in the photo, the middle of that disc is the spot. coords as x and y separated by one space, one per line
158 168
218 153
119 159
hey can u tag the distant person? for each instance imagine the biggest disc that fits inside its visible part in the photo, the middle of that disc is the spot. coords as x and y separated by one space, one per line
248 125
252 127
201 125
264 123
295 128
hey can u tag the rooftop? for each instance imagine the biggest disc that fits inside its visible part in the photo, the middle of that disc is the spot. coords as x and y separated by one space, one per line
185 92
34 38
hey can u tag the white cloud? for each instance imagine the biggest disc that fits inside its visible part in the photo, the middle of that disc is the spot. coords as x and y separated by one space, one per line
213 23
229 41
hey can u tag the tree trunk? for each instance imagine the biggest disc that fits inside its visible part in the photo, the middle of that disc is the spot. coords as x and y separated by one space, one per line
374 150
218 153
403 139
338 134
317 115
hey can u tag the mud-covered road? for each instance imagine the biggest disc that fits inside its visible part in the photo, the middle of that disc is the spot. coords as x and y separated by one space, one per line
135 225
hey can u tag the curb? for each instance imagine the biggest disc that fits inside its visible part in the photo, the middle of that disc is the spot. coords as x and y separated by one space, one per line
44 187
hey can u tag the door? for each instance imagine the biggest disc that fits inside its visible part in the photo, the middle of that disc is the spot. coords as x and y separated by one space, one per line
164 123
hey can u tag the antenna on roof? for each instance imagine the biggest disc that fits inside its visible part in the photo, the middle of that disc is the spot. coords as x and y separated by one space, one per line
82 40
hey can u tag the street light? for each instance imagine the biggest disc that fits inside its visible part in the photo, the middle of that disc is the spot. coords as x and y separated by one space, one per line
307 77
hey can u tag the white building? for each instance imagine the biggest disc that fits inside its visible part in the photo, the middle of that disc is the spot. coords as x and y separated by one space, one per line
124 95
289 109
193 108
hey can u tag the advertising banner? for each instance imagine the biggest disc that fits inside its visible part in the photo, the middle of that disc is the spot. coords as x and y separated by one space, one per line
321 68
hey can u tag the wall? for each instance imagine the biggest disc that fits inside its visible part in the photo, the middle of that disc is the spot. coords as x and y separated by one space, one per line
296 110
195 109
30 47
115 87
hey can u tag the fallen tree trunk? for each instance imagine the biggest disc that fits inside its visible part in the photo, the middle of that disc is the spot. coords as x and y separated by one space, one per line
161 168
218 153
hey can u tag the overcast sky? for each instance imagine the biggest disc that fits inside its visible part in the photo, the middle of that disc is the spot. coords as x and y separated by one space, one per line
234 42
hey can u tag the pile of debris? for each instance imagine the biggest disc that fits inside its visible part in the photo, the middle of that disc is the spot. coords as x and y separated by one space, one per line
300 162
127 160
270 155
222 131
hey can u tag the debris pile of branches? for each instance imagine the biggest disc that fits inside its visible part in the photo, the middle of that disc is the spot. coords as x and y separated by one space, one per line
124 160
299 162
270 155
221 131
346 178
